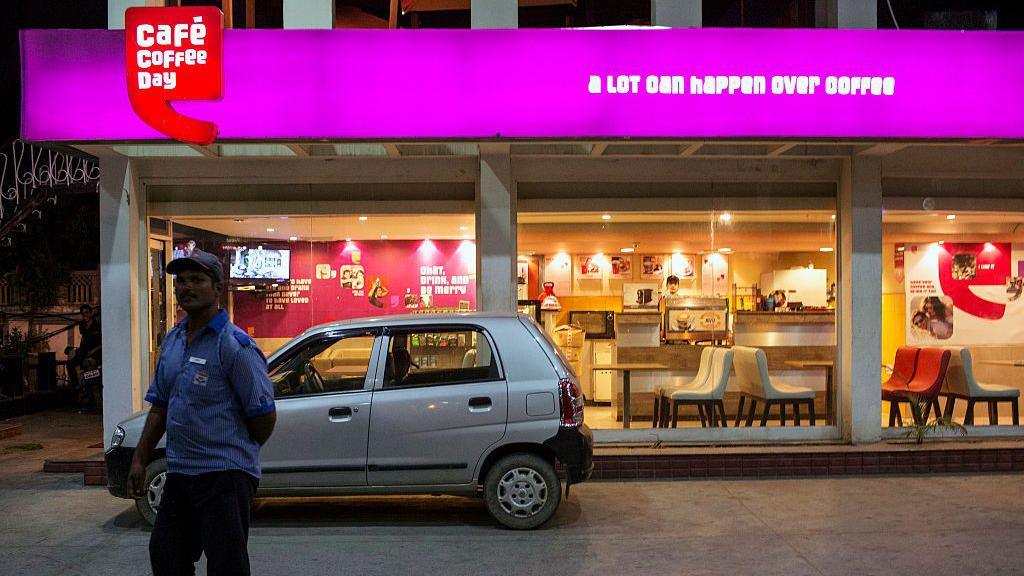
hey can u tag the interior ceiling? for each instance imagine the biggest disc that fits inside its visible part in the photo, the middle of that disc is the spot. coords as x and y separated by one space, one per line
917 226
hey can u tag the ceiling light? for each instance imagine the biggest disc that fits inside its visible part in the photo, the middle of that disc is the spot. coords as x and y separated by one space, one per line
833 216
463 228
950 216
606 216
363 218
383 236
900 248
348 239
627 250
293 238
941 242
825 249
725 250
239 219
725 216
270 229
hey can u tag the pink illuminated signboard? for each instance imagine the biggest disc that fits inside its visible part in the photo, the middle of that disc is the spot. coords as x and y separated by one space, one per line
356 84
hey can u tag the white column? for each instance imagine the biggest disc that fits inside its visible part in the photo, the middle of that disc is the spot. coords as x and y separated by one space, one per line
494 13
860 313
120 302
309 14
495 230
846 14
677 13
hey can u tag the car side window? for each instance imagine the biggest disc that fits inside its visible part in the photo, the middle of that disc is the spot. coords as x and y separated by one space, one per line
327 365
434 358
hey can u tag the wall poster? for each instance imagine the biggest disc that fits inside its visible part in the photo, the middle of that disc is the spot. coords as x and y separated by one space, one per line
964 293
652 267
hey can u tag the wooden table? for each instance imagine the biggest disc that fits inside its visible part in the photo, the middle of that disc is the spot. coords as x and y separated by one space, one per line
626 369
829 366
1011 363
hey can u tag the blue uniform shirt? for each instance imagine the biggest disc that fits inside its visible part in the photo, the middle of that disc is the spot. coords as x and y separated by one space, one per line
210 388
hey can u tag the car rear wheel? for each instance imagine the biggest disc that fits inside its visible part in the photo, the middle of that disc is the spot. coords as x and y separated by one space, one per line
156 479
522 491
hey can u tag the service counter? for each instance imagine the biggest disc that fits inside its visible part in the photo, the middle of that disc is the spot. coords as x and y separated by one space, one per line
764 329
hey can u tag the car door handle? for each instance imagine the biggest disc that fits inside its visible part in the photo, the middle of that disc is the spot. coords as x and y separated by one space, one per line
480 404
340 414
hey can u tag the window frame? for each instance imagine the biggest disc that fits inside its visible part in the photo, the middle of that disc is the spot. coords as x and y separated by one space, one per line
334 336
391 331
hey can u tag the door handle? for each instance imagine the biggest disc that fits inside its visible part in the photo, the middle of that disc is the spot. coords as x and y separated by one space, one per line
480 404
340 414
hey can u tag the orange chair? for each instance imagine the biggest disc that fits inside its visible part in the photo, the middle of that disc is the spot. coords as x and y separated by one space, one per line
928 376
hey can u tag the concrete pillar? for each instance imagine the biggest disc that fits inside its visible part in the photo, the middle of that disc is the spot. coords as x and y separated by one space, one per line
309 14
846 14
494 13
120 302
677 13
496 230
116 8
860 318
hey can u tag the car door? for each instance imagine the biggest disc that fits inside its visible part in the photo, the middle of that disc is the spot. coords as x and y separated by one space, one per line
322 390
440 401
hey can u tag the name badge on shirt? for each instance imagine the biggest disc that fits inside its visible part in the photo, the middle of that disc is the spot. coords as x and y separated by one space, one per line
195 360
200 378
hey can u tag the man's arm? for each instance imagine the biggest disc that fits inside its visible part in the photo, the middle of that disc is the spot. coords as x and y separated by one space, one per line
156 425
261 427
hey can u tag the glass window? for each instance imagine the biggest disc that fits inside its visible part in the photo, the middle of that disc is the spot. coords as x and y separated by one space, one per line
746 268
439 358
952 282
324 366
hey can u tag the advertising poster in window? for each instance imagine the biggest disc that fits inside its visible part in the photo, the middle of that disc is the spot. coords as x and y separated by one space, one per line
714 275
621 267
652 267
558 271
964 293
351 280
589 267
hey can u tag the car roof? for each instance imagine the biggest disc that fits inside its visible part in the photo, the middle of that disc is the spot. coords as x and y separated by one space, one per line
411 319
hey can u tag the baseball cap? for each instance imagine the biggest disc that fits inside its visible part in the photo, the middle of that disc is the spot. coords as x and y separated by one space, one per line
198 260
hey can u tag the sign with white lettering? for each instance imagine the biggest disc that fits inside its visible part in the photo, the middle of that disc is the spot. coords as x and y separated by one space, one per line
528 83
173 54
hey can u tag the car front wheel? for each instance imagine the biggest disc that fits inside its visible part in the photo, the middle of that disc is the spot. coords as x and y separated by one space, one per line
522 491
156 479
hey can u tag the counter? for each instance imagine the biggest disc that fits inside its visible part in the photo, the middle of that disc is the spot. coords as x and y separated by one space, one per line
764 329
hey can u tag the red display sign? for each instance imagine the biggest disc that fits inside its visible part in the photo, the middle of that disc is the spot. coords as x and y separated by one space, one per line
174 54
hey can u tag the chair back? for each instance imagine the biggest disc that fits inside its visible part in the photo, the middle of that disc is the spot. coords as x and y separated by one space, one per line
721 366
704 369
904 366
751 370
958 371
932 364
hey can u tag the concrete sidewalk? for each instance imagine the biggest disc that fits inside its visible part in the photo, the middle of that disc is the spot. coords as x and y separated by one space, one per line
907 525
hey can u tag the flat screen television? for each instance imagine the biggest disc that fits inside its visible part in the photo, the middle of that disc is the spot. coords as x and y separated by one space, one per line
260 263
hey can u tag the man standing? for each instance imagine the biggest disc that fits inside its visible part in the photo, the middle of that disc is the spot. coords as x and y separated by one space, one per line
212 397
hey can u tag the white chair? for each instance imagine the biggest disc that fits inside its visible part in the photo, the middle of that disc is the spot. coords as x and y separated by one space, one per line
961 384
755 384
661 393
708 397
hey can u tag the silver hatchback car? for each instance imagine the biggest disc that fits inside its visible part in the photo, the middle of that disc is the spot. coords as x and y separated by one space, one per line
468 404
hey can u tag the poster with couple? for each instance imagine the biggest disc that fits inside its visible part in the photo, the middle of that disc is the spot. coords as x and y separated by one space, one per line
964 293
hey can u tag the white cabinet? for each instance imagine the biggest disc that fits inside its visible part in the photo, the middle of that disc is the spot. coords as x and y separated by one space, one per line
602 381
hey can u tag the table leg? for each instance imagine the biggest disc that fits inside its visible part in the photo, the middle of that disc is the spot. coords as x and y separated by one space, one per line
625 399
829 396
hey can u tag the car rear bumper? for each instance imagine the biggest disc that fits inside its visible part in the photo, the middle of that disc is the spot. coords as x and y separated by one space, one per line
574 448
119 462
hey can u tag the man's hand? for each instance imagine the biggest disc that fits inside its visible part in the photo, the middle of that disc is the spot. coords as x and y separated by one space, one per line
137 480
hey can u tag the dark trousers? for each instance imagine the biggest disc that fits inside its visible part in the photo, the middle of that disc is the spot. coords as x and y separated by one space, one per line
205 513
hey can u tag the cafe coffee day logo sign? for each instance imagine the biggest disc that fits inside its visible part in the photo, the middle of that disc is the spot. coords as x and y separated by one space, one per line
174 54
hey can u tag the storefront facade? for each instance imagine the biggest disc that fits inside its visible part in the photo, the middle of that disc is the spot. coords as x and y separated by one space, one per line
684 196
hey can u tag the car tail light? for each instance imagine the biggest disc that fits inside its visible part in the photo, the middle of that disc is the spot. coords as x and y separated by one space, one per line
571 401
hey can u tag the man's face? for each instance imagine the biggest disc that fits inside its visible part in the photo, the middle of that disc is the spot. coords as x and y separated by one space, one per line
673 288
196 290
86 313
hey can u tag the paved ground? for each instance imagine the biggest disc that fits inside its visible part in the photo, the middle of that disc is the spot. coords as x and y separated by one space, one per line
931 526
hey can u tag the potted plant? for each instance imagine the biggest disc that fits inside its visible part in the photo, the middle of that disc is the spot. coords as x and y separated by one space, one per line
921 427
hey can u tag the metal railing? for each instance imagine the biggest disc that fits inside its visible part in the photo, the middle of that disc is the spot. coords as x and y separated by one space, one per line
82 287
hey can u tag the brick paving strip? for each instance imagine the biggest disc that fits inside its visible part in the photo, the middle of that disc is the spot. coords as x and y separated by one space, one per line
671 463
